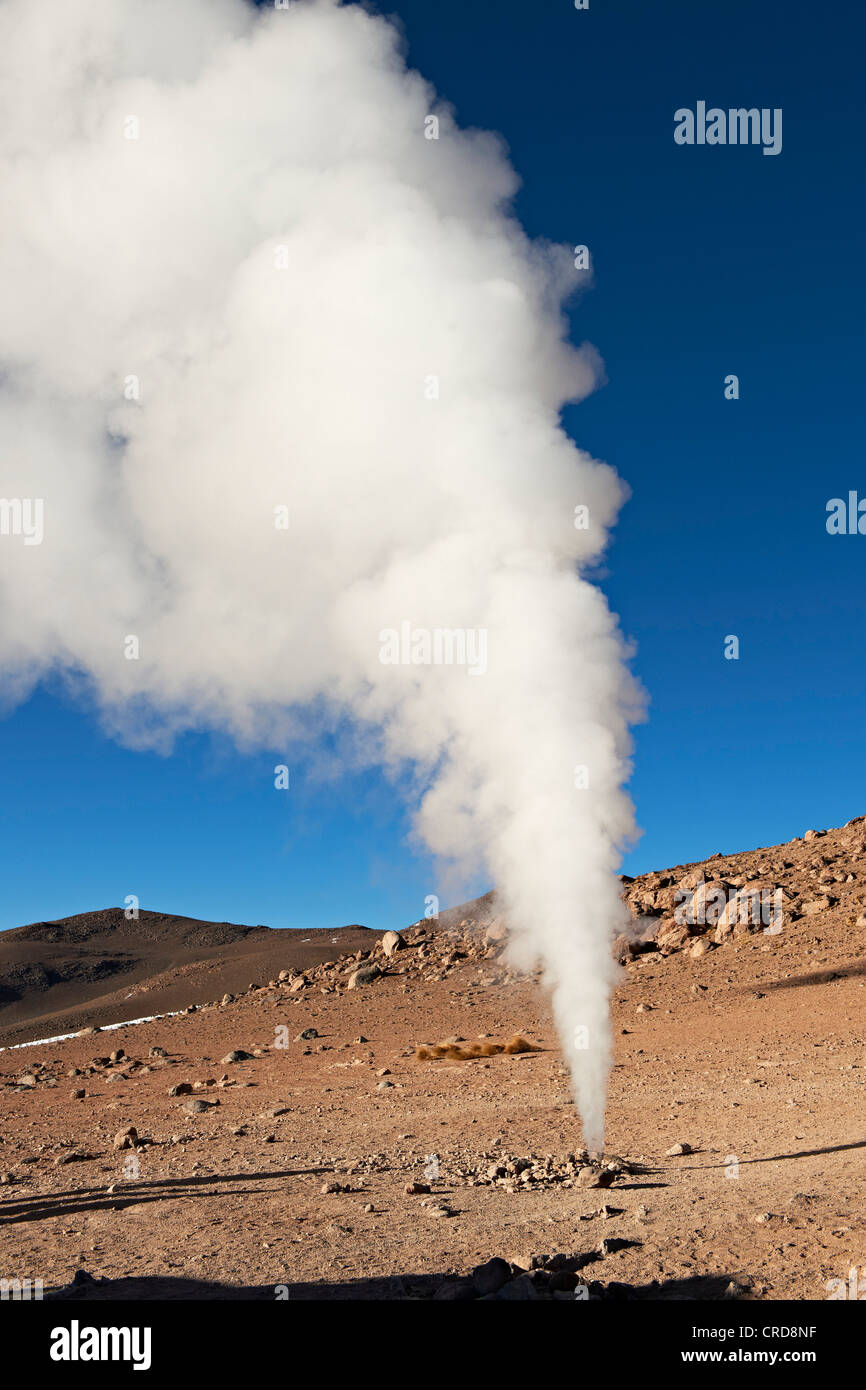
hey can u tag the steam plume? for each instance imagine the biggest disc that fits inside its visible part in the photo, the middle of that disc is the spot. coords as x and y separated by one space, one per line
238 277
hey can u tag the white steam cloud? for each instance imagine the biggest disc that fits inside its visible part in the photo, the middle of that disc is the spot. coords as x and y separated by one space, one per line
238 277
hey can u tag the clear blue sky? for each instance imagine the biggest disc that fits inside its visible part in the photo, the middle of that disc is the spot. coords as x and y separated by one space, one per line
708 261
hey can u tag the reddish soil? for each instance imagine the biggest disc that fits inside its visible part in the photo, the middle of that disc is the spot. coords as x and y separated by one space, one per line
752 1054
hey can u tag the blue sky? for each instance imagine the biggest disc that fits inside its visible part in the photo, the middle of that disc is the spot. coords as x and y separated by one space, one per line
707 261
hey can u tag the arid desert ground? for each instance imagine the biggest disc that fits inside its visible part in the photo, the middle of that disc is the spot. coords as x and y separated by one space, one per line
326 1161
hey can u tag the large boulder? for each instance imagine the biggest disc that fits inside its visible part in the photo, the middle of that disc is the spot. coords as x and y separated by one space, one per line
705 905
491 1277
818 905
622 949
744 911
690 881
365 976
671 935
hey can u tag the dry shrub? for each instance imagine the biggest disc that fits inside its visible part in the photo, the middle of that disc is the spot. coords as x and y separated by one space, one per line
455 1052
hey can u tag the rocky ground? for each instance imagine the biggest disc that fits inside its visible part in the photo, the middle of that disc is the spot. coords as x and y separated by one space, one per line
286 1141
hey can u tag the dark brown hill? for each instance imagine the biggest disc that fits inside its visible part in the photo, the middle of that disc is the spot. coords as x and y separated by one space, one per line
100 967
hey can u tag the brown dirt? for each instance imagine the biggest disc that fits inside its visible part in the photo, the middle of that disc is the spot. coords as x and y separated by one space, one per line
98 967
753 1054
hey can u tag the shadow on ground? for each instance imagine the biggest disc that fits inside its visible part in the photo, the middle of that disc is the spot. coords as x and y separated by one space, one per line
816 977
400 1287
84 1199
783 1158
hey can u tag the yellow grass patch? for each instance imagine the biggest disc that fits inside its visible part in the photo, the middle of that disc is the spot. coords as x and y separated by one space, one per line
466 1052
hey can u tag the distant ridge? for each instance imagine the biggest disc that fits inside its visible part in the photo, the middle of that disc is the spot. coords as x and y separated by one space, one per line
57 976
102 967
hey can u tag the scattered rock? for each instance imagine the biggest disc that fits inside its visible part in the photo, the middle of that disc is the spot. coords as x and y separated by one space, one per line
490 1277
672 936
622 949
519 1290
821 904
611 1244
596 1177
364 976
456 1291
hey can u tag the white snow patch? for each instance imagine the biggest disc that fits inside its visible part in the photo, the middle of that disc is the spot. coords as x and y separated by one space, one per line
103 1028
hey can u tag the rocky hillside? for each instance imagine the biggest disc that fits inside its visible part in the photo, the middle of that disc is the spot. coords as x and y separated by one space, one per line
700 907
100 967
